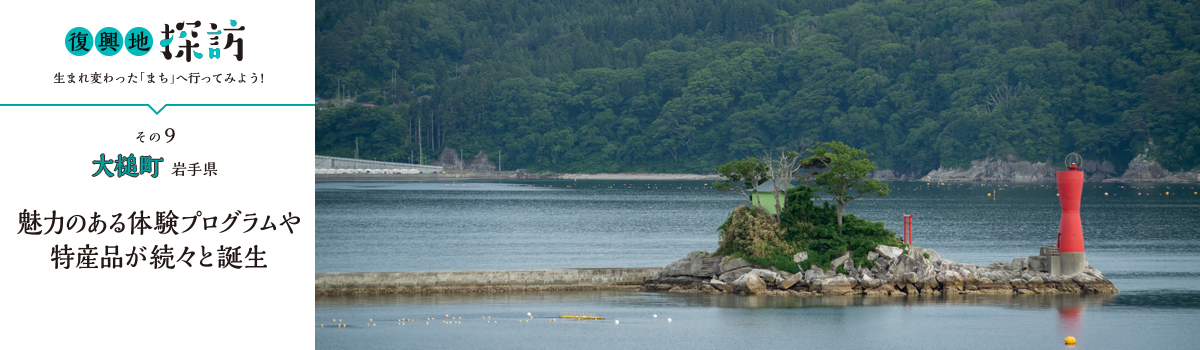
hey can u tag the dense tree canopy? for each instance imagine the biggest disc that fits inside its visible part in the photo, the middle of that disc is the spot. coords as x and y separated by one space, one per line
687 85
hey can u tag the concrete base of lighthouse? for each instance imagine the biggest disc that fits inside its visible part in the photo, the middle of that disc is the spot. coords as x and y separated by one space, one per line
1066 264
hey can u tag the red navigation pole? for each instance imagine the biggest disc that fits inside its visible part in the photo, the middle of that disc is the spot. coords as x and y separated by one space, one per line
1070 229
907 229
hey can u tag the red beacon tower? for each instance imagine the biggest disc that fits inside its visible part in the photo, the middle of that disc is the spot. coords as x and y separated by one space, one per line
1070 230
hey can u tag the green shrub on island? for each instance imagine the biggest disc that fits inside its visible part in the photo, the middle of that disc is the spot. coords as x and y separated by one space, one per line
752 234
815 229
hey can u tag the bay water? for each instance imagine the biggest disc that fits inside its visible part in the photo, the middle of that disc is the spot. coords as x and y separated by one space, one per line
1143 237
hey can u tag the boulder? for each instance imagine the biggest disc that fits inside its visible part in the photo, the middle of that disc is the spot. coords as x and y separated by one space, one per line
1089 283
730 264
1019 264
881 266
1039 263
791 281
941 265
834 285
1035 282
926 277
768 276
800 257
905 263
751 283
966 274
933 255
925 271
730 276
720 285
872 255
889 251
869 282
696 264
813 273
909 277
950 280
840 259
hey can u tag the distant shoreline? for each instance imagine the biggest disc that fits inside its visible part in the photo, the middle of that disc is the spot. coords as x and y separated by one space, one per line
637 176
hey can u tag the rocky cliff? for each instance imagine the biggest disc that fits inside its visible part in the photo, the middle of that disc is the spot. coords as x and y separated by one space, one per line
895 272
1009 170
451 160
1142 169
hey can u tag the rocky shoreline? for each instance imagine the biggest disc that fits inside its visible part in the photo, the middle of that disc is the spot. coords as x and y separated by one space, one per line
1140 169
895 273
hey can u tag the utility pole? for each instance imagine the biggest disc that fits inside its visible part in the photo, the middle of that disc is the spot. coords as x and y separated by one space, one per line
356 147
500 160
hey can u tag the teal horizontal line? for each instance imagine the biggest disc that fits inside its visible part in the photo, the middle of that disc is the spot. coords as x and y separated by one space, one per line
147 105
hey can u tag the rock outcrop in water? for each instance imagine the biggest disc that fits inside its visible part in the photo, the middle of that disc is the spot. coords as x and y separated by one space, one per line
916 272
1010 170
1142 169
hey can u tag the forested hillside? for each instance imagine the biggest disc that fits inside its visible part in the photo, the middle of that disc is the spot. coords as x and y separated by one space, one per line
684 85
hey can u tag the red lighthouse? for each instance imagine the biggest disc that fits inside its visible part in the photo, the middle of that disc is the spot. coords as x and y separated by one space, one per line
1070 229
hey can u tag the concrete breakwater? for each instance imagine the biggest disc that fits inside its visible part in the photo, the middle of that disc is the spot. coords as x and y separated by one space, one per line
482 281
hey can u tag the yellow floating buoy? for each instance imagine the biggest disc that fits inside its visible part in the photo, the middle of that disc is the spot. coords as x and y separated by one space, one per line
1069 341
322 325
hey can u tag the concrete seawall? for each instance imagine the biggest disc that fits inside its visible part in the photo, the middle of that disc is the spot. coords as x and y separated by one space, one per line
482 281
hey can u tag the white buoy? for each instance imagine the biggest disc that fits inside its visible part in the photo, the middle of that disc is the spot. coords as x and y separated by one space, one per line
530 314
655 315
618 321
668 320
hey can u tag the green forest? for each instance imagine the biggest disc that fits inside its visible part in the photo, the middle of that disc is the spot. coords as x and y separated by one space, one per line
688 85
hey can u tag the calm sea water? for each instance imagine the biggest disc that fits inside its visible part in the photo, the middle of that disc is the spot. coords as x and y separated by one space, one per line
1145 238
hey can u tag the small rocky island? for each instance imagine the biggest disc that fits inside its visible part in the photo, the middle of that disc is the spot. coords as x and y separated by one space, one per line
800 248
896 272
